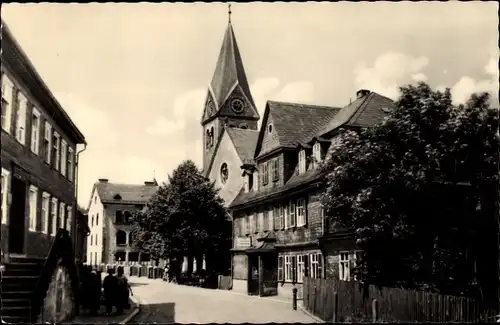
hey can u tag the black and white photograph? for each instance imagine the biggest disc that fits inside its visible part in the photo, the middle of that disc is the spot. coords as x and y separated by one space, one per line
250 162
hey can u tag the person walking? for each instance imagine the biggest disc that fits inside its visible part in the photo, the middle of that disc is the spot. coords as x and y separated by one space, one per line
110 286
123 291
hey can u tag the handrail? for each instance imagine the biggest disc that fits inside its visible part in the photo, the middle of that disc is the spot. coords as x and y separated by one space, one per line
60 253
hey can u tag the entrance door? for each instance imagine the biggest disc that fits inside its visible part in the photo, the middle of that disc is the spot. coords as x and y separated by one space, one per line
17 218
269 274
253 274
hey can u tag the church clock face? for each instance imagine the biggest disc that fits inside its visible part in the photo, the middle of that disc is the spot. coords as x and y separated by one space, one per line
211 108
237 105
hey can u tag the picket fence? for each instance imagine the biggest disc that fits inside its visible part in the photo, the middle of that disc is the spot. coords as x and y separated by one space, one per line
342 301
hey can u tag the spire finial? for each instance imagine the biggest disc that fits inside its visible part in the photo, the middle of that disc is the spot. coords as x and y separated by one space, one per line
229 12
154 174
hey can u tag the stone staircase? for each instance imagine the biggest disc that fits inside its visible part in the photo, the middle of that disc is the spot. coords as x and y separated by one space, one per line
19 281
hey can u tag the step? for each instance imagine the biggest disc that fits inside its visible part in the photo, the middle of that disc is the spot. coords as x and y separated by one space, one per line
36 260
15 311
19 278
16 319
16 294
17 286
15 302
22 272
23 266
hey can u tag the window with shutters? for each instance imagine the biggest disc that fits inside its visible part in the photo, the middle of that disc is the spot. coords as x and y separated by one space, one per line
265 171
276 217
35 131
45 212
344 270
317 153
69 217
246 222
294 268
292 214
286 219
54 216
260 223
301 213
265 221
70 164
33 205
255 222
47 143
300 268
280 268
56 158
64 157
316 265
7 92
302 161
275 169
21 112
288 268
61 215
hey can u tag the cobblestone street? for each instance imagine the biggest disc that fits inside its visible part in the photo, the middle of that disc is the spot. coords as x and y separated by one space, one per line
167 303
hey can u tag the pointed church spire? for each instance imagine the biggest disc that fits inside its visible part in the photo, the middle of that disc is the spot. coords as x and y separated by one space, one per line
229 71
229 11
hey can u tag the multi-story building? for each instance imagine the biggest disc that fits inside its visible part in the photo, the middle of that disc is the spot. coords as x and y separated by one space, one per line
109 211
270 180
39 144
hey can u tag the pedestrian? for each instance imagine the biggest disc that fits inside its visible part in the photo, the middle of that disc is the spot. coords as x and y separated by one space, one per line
123 291
94 293
110 286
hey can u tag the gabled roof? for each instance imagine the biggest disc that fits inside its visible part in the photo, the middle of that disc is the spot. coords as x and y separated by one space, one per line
293 123
18 61
229 70
130 193
244 141
364 111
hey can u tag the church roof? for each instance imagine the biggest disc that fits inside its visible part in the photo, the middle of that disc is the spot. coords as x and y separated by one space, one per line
229 70
244 141
295 122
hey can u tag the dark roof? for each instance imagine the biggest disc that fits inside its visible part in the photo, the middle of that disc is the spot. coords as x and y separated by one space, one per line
244 141
294 182
130 193
294 123
363 112
229 70
18 61
82 210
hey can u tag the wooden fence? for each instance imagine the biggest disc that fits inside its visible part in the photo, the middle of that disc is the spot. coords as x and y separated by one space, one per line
341 301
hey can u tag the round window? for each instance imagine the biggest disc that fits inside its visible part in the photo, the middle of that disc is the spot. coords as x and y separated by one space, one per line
224 173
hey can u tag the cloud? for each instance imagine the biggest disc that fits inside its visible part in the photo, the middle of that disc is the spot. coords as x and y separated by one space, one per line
164 126
296 92
261 89
466 86
390 71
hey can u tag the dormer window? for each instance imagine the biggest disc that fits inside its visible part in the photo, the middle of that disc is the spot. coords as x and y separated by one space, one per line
270 128
317 152
117 197
302 161
250 182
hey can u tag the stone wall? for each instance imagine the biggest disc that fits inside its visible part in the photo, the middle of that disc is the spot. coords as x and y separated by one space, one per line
58 305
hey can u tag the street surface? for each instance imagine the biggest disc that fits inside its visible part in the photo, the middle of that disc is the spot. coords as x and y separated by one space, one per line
167 303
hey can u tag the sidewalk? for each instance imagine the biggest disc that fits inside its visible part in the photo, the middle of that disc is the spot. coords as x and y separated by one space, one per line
111 319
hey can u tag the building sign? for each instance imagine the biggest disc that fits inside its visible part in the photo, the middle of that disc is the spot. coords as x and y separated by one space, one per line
242 242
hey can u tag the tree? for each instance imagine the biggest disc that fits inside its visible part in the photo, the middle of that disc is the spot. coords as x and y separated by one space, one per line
186 217
419 189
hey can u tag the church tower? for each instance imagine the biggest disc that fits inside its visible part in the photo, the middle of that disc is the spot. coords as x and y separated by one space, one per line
229 102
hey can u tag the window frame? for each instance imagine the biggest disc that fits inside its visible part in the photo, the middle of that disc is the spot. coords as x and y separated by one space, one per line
300 268
275 170
260 222
45 213
47 142
7 89
21 115
35 131
119 232
62 213
33 211
5 196
344 266
70 160
64 156
281 268
301 214
302 161
292 214
57 148
316 265
69 218
288 268
53 211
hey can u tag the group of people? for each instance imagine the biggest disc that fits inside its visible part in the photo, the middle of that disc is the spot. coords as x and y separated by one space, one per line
114 291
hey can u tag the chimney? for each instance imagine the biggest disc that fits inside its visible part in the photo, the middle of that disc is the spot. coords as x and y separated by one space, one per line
103 180
362 93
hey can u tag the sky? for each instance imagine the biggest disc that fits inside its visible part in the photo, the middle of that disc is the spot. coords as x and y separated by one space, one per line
133 77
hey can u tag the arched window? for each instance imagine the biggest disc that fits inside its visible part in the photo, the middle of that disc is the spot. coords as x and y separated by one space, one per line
207 139
212 136
121 238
